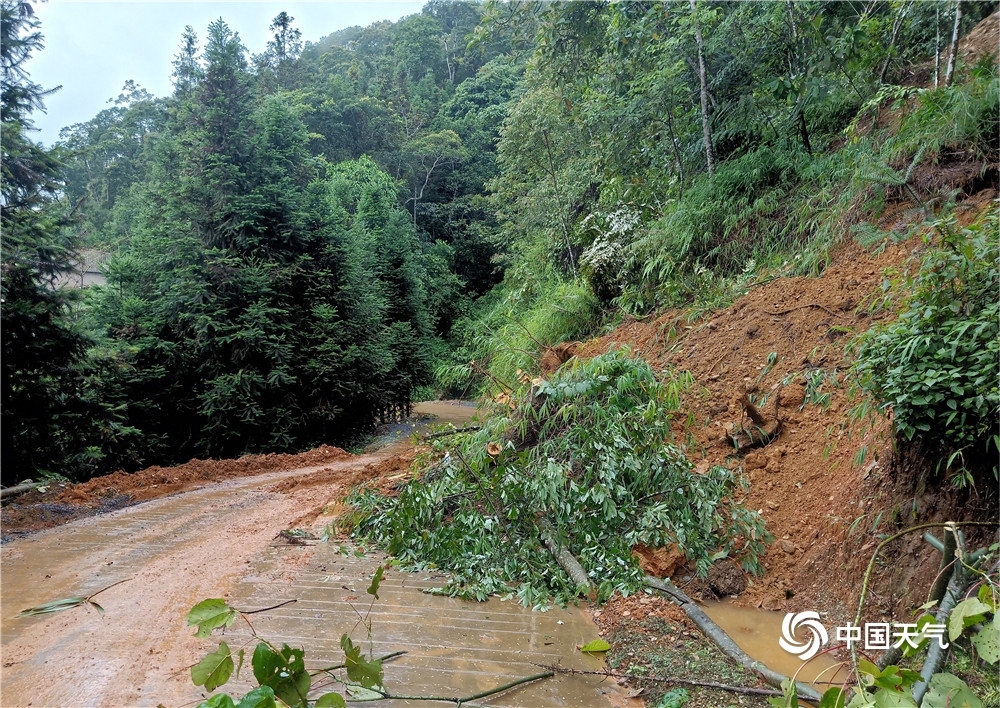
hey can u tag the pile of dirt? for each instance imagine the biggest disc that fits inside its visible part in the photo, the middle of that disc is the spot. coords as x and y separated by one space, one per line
781 345
60 503
387 474
619 610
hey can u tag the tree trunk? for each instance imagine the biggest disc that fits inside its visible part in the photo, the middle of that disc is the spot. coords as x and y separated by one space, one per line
896 26
937 46
803 131
19 489
949 73
564 558
705 125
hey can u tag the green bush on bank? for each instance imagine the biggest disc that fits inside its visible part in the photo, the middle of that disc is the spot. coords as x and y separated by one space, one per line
935 366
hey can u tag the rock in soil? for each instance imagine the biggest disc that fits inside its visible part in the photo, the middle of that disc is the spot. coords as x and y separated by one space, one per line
726 578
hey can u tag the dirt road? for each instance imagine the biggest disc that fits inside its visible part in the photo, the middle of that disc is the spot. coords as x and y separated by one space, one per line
222 540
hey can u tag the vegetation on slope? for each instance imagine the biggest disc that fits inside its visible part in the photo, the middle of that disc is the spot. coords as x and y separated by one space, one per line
302 237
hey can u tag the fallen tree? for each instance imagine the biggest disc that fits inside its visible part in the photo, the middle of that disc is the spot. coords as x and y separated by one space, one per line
548 500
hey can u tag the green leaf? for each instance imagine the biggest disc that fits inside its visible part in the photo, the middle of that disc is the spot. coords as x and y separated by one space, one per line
54 606
889 698
260 697
595 646
376 581
360 693
985 596
966 613
674 698
833 698
889 678
790 699
209 614
331 700
220 700
987 641
949 691
214 670
869 669
283 671
368 673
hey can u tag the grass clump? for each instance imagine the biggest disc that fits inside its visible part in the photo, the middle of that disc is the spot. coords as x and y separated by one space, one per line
589 452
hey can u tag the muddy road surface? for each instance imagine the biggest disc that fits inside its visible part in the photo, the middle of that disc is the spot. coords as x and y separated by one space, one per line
223 539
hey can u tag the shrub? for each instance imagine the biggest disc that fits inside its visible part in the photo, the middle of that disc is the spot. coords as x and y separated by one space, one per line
935 366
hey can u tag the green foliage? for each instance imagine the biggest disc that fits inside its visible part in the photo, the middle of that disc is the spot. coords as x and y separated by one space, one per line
283 671
367 673
935 365
589 452
210 614
674 698
948 691
510 329
215 669
53 416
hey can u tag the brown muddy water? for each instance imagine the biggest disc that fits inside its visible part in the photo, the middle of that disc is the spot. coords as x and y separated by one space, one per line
757 632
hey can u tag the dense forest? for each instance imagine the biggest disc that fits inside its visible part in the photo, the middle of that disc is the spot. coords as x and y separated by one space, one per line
300 242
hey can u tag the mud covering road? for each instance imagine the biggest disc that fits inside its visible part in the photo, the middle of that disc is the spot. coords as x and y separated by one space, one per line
222 540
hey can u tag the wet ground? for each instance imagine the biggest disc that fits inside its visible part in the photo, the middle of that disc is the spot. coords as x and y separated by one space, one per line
222 540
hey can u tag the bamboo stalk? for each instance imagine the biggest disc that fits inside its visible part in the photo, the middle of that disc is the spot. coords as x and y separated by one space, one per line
563 557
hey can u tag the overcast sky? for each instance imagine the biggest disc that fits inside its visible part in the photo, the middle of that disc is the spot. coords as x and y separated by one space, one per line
93 48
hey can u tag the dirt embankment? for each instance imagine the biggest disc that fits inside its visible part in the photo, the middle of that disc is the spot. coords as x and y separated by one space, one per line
60 503
824 486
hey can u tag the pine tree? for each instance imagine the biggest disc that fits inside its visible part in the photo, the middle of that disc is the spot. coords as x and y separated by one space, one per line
41 350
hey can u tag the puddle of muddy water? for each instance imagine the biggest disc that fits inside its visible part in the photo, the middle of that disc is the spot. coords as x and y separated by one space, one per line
425 414
757 632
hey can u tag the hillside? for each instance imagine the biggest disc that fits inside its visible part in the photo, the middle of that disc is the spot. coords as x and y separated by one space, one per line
722 279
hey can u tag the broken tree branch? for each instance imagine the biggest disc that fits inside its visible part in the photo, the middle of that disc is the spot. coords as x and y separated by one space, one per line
455 699
563 557
20 489
725 642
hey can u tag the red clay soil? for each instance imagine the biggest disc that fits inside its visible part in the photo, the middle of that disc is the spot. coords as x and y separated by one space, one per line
60 503
823 509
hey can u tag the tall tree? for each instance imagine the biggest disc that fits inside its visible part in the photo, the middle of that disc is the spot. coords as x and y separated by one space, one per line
284 47
953 49
706 121
41 349
187 71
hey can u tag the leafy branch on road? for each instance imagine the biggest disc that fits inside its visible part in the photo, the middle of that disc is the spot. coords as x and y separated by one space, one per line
582 463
